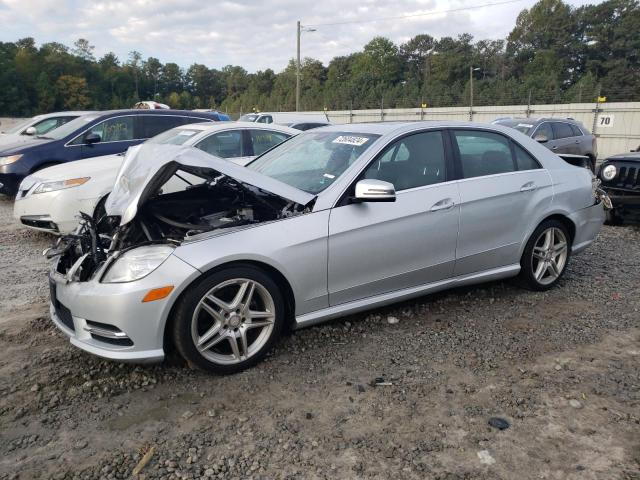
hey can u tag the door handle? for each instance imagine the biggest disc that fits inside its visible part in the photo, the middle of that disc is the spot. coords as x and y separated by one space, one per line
528 187
445 204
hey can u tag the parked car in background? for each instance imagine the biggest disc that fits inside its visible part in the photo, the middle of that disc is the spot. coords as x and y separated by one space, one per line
560 135
151 105
284 118
38 125
620 176
307 125
50 199
334 221
92 135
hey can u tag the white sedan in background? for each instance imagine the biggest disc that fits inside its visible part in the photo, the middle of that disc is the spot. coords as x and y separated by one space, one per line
38 125
51 199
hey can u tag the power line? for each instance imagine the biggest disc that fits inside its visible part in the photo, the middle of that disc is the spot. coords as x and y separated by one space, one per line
437 12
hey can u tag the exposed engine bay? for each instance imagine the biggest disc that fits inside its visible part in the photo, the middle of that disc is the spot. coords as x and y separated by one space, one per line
198 210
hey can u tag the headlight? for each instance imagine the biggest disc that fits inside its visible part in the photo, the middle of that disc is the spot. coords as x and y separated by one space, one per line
9 159
60 184
609 172
137 263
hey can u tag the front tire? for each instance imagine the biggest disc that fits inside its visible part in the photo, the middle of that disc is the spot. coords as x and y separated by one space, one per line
546 256
229 320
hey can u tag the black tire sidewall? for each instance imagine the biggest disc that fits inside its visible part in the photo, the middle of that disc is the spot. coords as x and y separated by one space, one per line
526 272
189 300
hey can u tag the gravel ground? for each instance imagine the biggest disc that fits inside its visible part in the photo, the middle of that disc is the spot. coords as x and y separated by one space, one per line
560 367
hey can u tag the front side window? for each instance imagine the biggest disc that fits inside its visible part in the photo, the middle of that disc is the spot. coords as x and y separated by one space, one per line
223 144
413 161
117 129
263 140
265 119
562 130
152 125
483 153
312 161
545 129
249 117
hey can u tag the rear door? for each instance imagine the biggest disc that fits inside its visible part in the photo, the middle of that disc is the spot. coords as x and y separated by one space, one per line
376 248
501 189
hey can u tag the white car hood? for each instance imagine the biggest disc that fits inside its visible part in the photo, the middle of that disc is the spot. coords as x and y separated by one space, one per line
147 167
97 166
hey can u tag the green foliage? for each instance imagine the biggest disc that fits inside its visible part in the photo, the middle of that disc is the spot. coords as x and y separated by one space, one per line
555 53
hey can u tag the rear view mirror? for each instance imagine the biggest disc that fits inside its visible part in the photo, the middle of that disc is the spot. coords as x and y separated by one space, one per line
30 131
92 138
541 138
374 191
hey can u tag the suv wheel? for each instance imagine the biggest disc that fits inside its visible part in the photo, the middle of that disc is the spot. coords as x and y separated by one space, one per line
229 320
545 256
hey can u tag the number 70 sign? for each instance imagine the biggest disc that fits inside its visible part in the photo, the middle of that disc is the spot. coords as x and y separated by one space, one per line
605 121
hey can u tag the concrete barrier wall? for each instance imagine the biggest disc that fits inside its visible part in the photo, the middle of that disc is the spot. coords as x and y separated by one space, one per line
616 125
7 123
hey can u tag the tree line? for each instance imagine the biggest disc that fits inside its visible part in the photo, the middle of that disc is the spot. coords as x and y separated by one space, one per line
555 53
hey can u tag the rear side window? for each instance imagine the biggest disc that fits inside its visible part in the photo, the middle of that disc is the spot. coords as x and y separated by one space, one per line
483 153
152 125
223 144
263 140
562 130
523 159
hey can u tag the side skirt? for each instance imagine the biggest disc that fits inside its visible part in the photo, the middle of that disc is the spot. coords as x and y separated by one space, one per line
369 303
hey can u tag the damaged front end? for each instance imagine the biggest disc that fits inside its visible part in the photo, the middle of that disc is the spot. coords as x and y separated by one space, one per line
184 195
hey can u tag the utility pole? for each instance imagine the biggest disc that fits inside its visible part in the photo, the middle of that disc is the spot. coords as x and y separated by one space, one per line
471 70
298 67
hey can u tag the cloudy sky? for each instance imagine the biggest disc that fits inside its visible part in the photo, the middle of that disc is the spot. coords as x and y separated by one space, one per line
256 34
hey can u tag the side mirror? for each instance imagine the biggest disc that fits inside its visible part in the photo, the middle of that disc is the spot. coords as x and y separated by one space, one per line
30 131
374 191
541 138
92 138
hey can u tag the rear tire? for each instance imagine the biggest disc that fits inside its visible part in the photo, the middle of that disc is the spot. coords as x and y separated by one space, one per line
229 320
546 256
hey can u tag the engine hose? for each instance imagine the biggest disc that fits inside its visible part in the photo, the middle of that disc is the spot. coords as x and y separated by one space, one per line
173 223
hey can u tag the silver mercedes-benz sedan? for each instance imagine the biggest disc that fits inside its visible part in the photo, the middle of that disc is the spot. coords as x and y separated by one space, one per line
334 221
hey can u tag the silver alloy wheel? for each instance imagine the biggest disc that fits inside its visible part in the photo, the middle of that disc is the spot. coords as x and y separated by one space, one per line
549 255
233 321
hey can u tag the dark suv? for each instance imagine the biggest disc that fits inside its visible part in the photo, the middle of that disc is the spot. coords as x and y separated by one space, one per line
560 135
620 175
91 135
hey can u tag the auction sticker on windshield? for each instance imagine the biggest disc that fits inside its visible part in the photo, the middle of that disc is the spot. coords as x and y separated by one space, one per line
350 140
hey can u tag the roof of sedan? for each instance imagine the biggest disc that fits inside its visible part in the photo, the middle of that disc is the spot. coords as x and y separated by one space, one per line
382 128
226 125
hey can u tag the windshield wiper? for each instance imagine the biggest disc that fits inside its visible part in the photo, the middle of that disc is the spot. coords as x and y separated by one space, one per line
43 137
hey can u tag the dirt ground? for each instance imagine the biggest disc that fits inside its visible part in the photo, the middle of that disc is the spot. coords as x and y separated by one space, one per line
560 367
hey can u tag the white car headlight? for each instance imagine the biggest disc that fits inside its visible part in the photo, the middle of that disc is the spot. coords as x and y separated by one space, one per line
137 263
609 172
9 159
46 187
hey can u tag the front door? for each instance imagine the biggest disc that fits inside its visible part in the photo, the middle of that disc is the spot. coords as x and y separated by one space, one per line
375 248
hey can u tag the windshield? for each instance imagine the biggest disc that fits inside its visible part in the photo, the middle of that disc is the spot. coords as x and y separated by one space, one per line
70 127
313 161
19 127
250 117
175 136
521 126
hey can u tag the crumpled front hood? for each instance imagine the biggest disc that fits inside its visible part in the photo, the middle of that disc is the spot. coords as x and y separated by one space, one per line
147 167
